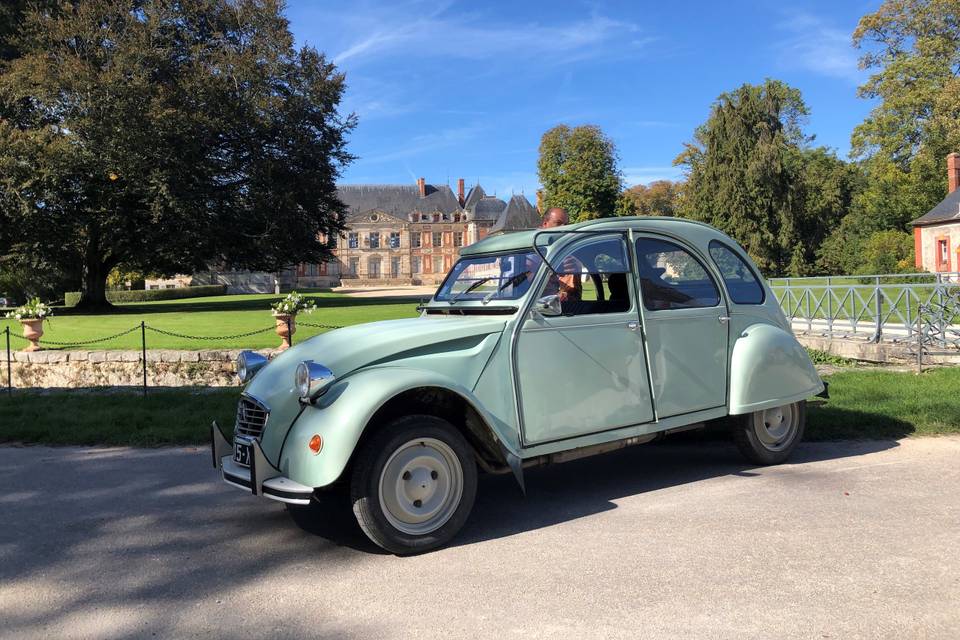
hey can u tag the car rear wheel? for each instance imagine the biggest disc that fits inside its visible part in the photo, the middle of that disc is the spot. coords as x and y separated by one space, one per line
770 436
413 484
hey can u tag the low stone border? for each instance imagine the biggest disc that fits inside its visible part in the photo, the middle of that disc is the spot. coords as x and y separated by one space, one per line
74 369
885 352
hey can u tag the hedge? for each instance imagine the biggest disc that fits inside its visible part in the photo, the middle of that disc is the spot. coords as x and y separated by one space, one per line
71 298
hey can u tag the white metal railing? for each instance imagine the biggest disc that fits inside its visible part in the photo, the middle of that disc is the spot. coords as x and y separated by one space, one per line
878 306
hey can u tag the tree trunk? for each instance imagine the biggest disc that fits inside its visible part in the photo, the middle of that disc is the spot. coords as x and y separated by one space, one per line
94 293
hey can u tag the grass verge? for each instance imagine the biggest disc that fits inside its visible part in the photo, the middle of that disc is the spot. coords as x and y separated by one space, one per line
100 417
864 404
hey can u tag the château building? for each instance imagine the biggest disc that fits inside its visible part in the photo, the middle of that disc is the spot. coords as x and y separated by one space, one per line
395 235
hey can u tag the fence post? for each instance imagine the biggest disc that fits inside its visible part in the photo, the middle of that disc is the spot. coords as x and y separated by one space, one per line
878 329
143 354
829 308
9 367
290 330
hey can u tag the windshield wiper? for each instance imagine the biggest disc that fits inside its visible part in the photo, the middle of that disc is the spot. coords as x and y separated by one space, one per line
476 284
512 281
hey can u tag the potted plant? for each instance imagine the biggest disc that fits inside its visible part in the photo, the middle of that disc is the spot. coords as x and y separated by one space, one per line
31 315
285 312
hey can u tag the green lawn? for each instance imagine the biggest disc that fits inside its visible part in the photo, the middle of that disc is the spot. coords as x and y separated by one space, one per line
864 404
213 316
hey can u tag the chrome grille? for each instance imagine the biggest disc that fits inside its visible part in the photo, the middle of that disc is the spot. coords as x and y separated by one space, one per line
251 418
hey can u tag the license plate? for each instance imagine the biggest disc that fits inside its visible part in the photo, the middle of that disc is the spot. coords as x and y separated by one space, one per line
241 454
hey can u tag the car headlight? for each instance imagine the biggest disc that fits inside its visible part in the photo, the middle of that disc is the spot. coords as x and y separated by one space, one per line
248 363
312 378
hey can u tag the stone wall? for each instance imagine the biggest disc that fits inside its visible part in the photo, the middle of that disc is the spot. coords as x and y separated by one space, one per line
165 368
883 352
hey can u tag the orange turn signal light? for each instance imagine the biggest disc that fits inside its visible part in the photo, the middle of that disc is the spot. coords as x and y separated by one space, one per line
316 443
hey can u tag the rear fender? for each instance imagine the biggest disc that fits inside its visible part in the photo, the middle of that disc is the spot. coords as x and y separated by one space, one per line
341 415
769 368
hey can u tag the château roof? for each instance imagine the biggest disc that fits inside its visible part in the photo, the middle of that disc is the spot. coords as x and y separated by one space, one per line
397 199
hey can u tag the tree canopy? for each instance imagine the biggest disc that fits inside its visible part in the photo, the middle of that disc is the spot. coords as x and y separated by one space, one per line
578 170
659 198
912 48
162 136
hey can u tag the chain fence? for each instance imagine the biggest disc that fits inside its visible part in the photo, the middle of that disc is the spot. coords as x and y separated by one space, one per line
40 344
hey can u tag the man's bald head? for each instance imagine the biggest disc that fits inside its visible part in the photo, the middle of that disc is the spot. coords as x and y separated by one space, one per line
555 217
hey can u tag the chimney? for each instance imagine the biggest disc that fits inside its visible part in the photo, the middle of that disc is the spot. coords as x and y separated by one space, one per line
460 195
953 171
540 200
422 185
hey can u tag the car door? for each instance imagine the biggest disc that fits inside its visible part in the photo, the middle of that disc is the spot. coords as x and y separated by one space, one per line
585 370
686 321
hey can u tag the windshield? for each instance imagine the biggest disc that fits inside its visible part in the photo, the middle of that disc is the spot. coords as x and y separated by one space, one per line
486 278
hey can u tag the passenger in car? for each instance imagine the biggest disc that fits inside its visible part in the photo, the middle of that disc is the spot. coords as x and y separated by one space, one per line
568 286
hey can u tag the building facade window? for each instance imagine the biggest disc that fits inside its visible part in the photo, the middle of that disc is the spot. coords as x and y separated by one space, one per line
323 268
438 264
458 238
353 240
374 239
415 238
354 266
437 239
394 239
415 264
395 267
373 267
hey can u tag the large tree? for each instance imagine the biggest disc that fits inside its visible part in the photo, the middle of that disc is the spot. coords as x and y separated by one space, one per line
163 135
745 170
753 174
912 48
578 170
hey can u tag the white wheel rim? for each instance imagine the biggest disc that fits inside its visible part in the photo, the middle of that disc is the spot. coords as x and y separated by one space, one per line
775 428
420 486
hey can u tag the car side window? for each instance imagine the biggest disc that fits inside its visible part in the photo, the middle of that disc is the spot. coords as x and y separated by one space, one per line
742 283
672 278
591 277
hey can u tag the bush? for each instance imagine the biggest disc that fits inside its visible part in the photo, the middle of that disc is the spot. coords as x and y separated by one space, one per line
71 298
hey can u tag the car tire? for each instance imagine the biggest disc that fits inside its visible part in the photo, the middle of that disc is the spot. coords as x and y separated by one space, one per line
770 436
413 484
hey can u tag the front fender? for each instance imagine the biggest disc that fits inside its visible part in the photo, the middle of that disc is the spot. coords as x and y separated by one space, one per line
341 414
769 368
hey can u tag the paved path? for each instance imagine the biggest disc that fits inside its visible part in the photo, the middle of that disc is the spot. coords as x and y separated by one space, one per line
852 540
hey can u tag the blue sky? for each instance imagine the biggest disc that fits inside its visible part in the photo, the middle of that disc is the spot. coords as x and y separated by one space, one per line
451 89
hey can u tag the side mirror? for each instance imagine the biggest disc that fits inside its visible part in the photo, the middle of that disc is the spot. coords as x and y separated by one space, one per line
548 306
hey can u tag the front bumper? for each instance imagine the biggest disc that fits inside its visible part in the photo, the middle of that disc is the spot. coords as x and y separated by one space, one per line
261 478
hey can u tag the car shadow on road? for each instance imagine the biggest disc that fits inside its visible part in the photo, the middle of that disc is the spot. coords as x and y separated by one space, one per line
581 488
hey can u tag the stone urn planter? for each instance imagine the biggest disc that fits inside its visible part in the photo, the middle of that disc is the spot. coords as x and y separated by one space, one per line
32 330
286 327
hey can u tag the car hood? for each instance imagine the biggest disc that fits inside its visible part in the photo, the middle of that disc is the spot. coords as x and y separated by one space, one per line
346 350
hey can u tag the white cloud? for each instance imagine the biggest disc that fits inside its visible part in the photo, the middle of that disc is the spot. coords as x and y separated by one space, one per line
817 46
414 32
428 142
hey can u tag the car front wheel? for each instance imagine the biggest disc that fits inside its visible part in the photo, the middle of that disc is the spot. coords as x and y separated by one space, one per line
770 436
413 484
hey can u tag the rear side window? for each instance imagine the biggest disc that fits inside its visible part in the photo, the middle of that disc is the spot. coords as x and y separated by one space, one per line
741 281
672 278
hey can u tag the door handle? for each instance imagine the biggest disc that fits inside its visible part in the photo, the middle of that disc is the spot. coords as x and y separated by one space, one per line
633 326
724 318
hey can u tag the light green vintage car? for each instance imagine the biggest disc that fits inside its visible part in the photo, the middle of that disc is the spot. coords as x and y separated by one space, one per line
539 347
